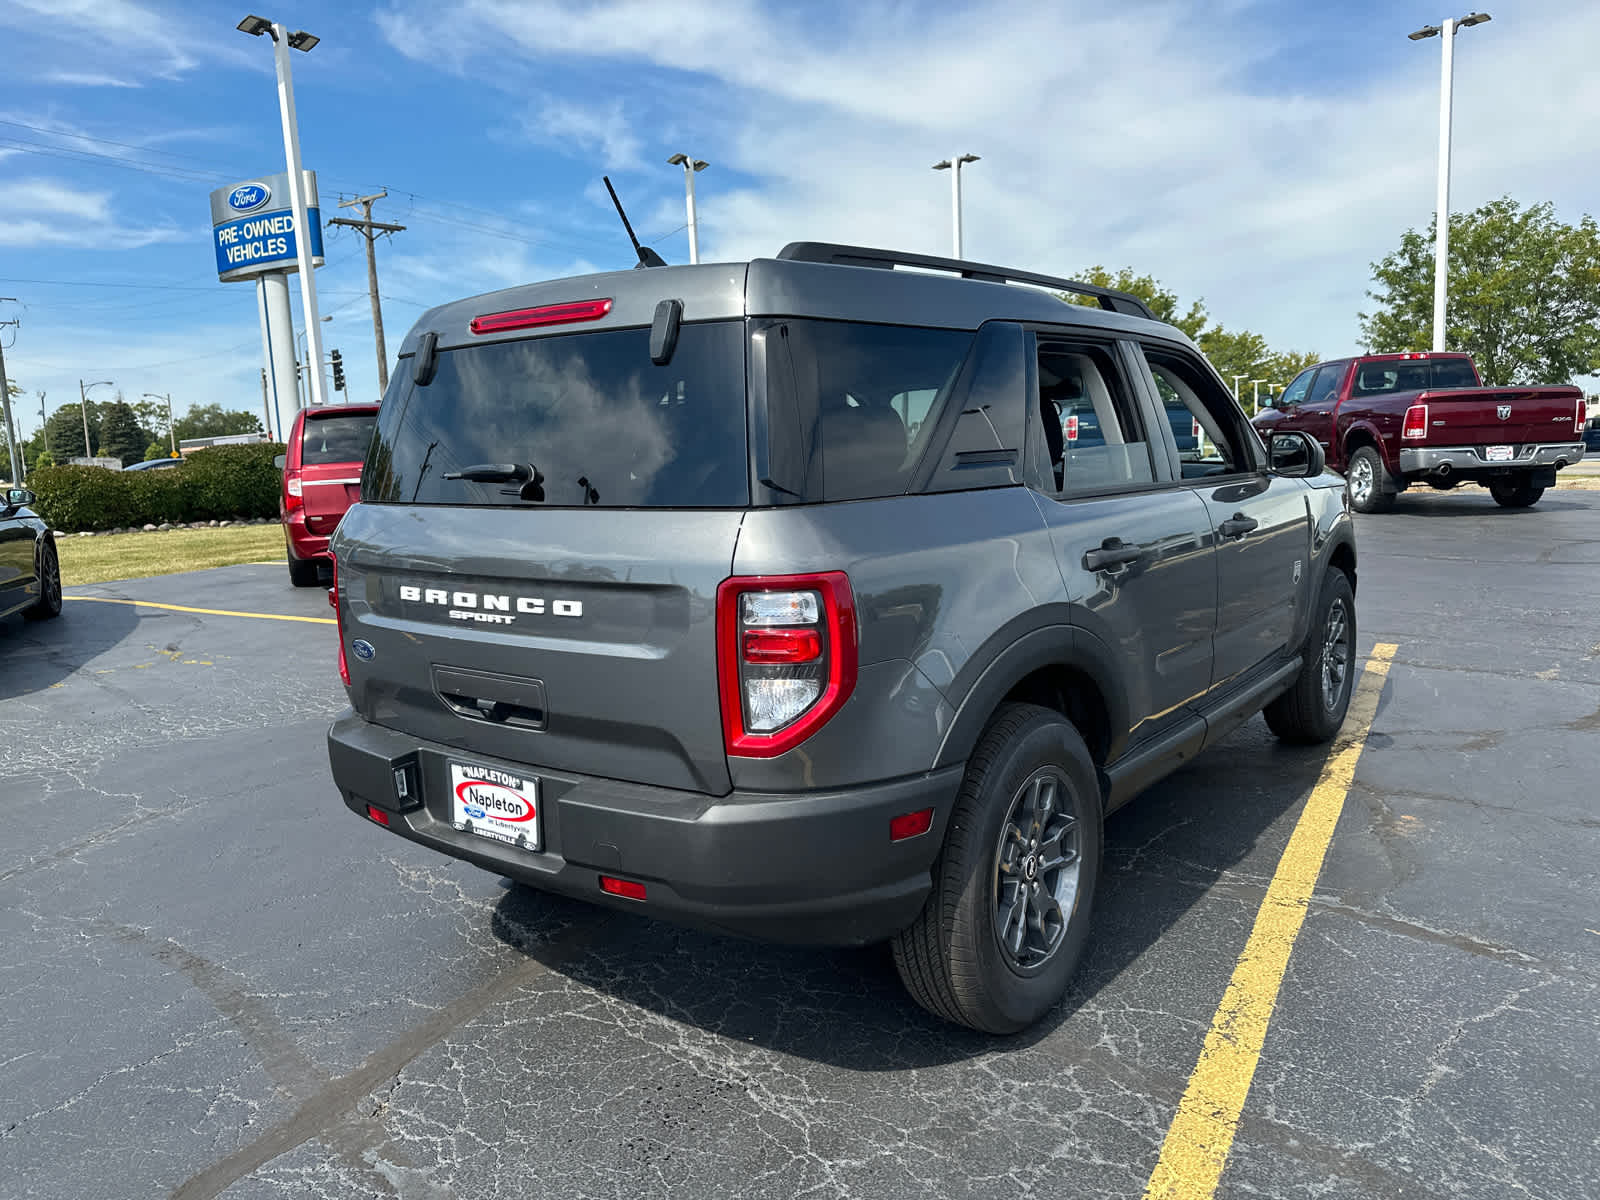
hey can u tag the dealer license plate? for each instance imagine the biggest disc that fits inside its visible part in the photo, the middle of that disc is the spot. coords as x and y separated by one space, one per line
1499 454
495 805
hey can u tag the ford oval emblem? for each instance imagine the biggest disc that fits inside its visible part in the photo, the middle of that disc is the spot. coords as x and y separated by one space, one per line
363 649
249 196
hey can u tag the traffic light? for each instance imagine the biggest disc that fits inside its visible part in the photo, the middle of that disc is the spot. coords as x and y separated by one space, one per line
338 370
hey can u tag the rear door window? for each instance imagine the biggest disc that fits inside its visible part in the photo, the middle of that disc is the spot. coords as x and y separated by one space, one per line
1326 387
339 439
589 416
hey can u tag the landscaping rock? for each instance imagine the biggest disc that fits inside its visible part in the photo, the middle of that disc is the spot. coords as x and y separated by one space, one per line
149 529
164 527
213 524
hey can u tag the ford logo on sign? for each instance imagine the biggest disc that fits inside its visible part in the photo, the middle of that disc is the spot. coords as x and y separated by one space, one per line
248 196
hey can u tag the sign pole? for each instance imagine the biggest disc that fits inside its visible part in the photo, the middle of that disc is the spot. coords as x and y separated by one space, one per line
297 201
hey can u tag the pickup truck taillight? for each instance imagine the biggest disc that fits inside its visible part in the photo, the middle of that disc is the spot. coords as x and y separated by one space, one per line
1416 422
786 658
1580 417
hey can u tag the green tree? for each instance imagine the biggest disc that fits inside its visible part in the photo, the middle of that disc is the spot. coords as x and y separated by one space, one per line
120 435
1163 302
1524 296
157 449
212 420
152 416
63 433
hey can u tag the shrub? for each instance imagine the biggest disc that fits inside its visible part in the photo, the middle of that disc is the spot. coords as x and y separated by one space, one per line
217 484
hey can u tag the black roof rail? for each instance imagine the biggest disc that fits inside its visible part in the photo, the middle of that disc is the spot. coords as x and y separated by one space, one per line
864 256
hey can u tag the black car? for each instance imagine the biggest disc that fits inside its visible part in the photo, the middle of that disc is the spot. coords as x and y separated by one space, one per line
30 573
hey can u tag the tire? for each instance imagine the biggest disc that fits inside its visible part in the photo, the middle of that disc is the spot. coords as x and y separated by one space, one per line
48 606
1514 493
951 958
1366 476
303 572
1312 710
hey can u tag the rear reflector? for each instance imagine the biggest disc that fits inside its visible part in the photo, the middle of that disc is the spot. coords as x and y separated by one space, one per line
378 815
910 825
626 888
549 314
1416 422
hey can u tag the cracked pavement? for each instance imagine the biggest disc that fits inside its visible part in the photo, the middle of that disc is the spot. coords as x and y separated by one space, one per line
220 982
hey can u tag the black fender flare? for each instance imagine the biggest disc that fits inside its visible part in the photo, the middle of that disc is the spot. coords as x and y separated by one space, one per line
1051 645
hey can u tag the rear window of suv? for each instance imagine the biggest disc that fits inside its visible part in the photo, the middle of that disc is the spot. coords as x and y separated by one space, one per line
590 413
336 439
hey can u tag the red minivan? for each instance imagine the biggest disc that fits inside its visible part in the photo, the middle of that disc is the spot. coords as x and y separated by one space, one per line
321 479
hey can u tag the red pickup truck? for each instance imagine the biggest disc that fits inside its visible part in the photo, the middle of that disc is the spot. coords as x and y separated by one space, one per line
1387 421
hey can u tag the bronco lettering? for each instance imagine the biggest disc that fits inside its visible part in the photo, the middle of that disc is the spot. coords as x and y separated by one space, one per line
491 604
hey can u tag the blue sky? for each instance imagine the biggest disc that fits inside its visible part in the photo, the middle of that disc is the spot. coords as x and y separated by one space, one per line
1258 155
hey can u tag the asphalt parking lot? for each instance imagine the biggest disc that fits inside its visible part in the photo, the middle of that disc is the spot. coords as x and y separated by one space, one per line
219 981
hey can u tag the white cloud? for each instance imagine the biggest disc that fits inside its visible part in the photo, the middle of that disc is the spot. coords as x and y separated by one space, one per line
89 79
603 131
41 212
1198 143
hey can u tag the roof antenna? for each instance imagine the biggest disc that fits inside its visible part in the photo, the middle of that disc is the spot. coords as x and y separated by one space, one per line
647 256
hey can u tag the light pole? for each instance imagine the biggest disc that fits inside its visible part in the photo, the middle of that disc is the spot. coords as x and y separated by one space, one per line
83 405
1441 220
1236 379
690 165
304 345
283 40
1255 396
953 165
172 435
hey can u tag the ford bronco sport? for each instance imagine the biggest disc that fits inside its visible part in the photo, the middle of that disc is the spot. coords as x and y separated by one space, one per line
775 597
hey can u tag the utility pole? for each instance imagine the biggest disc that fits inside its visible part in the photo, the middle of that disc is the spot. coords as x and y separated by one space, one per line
369 230
5 395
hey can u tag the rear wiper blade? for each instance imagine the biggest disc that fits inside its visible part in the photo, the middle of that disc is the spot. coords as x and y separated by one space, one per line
495 473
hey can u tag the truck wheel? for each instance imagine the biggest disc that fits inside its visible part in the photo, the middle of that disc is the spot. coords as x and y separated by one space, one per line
1008 917
1313 708
48 605
1365 476
1514 493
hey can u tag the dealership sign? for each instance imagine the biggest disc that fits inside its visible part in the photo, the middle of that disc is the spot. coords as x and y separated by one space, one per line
252 226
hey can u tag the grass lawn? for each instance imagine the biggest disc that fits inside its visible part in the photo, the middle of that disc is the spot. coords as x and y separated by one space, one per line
135 555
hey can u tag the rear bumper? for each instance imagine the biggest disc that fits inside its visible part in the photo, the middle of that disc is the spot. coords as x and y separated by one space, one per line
1454 459
304 544
813 868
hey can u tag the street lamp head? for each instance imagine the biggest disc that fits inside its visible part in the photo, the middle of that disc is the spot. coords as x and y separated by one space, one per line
255 26
1427 31
966 158
1476 18
688 163
942 166
301 40
700 164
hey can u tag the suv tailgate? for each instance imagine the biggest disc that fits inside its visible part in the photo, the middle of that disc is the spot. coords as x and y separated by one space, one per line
563 639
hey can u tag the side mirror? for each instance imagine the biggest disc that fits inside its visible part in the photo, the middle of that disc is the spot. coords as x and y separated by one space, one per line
1296 455
18 497
280 461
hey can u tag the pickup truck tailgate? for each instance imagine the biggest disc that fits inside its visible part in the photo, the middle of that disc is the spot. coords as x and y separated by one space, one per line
1502 416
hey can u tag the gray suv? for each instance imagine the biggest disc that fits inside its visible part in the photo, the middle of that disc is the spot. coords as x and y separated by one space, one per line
823 600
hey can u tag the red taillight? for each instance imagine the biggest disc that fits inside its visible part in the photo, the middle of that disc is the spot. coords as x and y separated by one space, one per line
333 600
627 888
1416 422
772 646
786 658
549 314
1581 417
294 491
377 814
910 825
1072 428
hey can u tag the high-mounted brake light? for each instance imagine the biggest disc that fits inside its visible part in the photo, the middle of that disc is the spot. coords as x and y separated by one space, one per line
786 658
549 314
1416 423
1414 354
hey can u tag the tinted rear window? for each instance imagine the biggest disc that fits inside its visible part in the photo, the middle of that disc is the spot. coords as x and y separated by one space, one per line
590 412
1374 379
336 439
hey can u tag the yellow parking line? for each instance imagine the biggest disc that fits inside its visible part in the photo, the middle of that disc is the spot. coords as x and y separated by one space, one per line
210 612
1197 1144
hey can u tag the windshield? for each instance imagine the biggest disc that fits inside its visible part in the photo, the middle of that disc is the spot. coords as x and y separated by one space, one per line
1418 375
336 439
589 415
